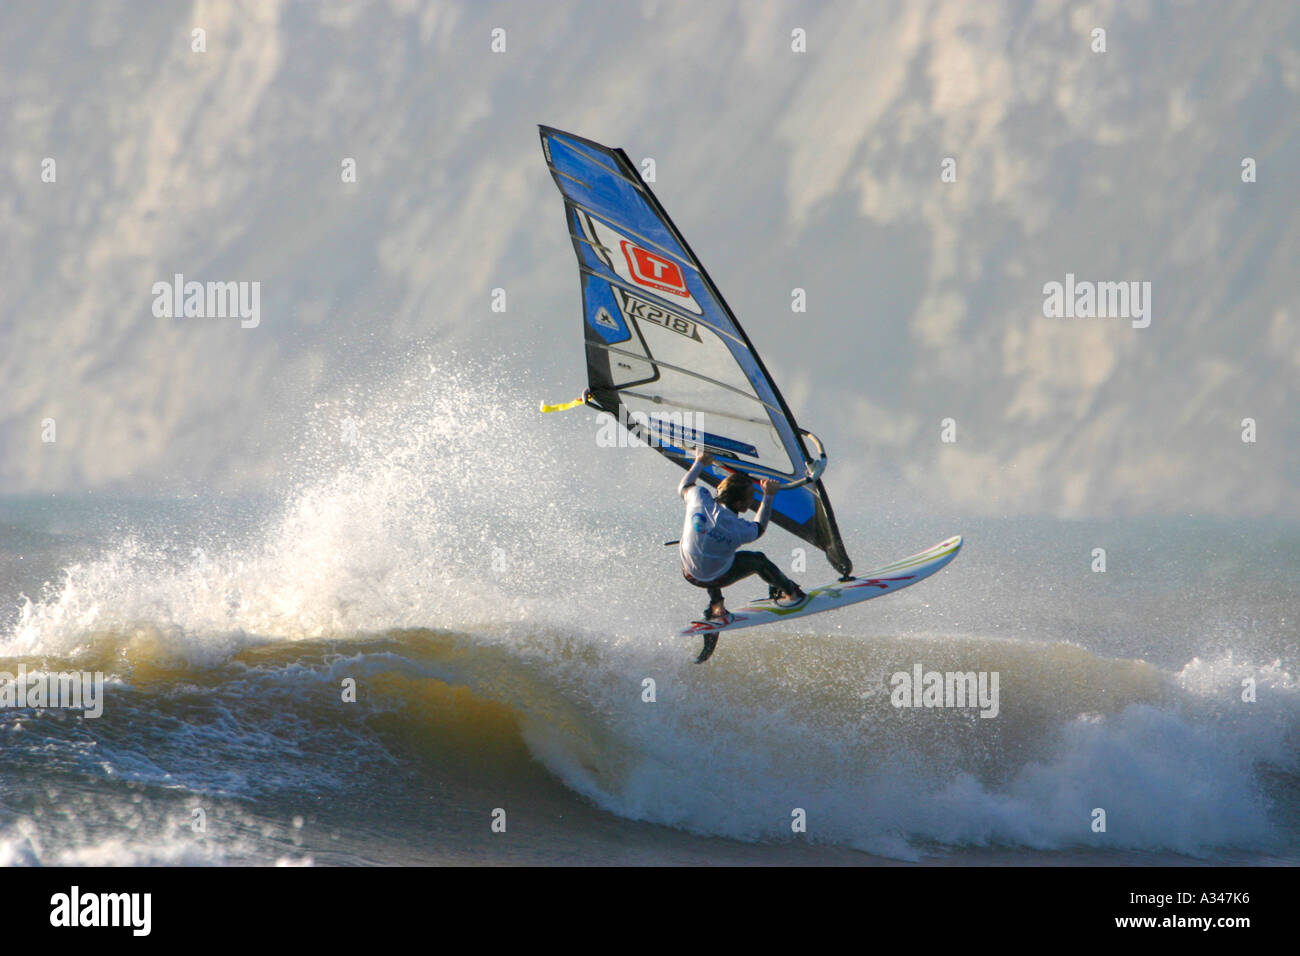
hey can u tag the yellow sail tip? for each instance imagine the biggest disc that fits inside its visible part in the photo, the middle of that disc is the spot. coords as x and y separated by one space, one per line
562 406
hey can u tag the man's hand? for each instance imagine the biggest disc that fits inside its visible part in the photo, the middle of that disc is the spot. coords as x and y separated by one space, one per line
770 487
702 458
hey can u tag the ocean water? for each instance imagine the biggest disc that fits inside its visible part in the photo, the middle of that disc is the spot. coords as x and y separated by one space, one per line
499 597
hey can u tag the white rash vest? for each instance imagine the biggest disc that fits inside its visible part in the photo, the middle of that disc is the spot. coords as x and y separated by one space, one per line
711 534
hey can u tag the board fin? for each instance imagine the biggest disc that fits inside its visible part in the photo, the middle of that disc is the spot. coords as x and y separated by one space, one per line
710 645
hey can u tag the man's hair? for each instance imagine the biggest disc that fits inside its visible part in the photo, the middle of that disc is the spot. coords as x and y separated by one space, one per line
734 490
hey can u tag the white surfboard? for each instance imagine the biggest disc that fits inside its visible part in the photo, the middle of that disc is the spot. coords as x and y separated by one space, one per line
828 597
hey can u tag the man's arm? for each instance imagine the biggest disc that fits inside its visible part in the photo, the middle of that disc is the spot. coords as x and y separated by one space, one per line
702 460
769 487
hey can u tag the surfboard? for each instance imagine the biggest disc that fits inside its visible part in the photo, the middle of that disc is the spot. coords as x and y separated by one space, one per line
828 597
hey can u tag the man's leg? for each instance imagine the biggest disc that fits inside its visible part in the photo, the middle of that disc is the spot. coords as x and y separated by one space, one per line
745 564
716 607
770 573
756 562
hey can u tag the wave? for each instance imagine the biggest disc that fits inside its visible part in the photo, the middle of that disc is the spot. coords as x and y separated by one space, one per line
498 618
1177 761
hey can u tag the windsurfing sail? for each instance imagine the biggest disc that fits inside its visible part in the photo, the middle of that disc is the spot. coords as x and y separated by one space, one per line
665 355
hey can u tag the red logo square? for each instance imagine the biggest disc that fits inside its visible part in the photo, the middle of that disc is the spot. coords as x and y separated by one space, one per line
654 271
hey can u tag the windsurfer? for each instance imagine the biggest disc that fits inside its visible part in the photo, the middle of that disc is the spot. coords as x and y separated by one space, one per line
714 529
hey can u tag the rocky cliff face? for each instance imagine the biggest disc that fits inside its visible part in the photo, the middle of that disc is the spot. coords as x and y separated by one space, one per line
821 170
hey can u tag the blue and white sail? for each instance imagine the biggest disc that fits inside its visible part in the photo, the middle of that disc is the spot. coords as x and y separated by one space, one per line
664 352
